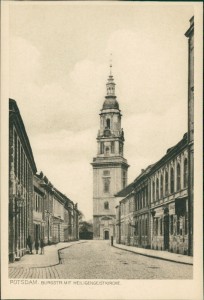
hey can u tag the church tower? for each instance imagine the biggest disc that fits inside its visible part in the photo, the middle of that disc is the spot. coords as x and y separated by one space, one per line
109 166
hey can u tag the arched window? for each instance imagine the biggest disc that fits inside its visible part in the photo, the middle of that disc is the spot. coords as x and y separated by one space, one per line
185 174
166 183
153 191
178 177
108 123
161 186
106 185
112 147
107 150
106 205
172 180
157 189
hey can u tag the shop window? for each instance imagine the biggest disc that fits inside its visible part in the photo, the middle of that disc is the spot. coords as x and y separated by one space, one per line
185 172
178 177
166 183
106 205
172 180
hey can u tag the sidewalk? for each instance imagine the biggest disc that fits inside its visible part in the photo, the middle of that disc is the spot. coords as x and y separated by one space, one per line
49 258
178 258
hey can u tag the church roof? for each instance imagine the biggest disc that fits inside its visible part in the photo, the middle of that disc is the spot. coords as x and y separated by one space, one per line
110 103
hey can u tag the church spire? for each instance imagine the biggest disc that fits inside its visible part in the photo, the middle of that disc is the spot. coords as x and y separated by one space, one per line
110 85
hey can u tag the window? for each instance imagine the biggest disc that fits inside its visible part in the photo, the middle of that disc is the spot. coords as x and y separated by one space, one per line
172 180
157 189
108 123
101 147
157 226
153 190
106 185
166 183
161 186
112 147
186 223
178 177
171 224
160 226
185 172
15 155
106 173
124 178
121 148
107 150
106 205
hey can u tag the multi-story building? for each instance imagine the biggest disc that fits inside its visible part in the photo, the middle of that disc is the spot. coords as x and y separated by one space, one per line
190 35
36 208
169 200
154 210
109 166
21 188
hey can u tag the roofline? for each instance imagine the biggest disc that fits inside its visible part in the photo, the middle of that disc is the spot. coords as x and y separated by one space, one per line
17 115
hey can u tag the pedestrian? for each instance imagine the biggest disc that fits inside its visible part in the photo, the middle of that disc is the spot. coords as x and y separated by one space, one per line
29 244
36 246
42 246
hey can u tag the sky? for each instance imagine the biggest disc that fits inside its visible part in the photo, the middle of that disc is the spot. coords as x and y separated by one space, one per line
59 56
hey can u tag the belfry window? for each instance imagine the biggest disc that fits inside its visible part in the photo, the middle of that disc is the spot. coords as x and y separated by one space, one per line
112 147
108 123
106 205
101 147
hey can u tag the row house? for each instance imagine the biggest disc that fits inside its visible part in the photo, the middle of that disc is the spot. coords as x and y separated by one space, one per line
22 168
168 180
36 208
153 211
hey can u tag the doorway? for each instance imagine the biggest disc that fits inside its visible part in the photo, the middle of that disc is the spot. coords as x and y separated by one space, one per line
106 235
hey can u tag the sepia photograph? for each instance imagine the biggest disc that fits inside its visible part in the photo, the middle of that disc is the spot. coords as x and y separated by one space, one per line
100 162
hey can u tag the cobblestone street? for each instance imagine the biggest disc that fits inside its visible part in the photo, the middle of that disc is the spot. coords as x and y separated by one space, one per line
98 260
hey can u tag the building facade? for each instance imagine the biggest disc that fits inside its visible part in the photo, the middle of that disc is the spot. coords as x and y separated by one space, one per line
37 210
190 35
154 210
110 168
21 184
169 200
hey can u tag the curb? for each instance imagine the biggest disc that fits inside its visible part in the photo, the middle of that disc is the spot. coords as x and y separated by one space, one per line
156 257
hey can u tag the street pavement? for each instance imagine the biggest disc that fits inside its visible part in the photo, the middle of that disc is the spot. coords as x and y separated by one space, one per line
96 260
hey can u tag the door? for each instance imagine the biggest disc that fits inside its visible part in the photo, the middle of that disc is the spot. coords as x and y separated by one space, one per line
166 232
106 235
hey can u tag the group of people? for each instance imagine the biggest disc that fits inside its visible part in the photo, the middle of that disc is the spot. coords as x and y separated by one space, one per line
38 244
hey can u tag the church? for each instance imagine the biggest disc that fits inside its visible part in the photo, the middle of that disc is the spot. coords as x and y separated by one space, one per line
110 168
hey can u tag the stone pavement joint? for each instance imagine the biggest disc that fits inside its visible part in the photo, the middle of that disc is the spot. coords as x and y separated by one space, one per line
163 255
